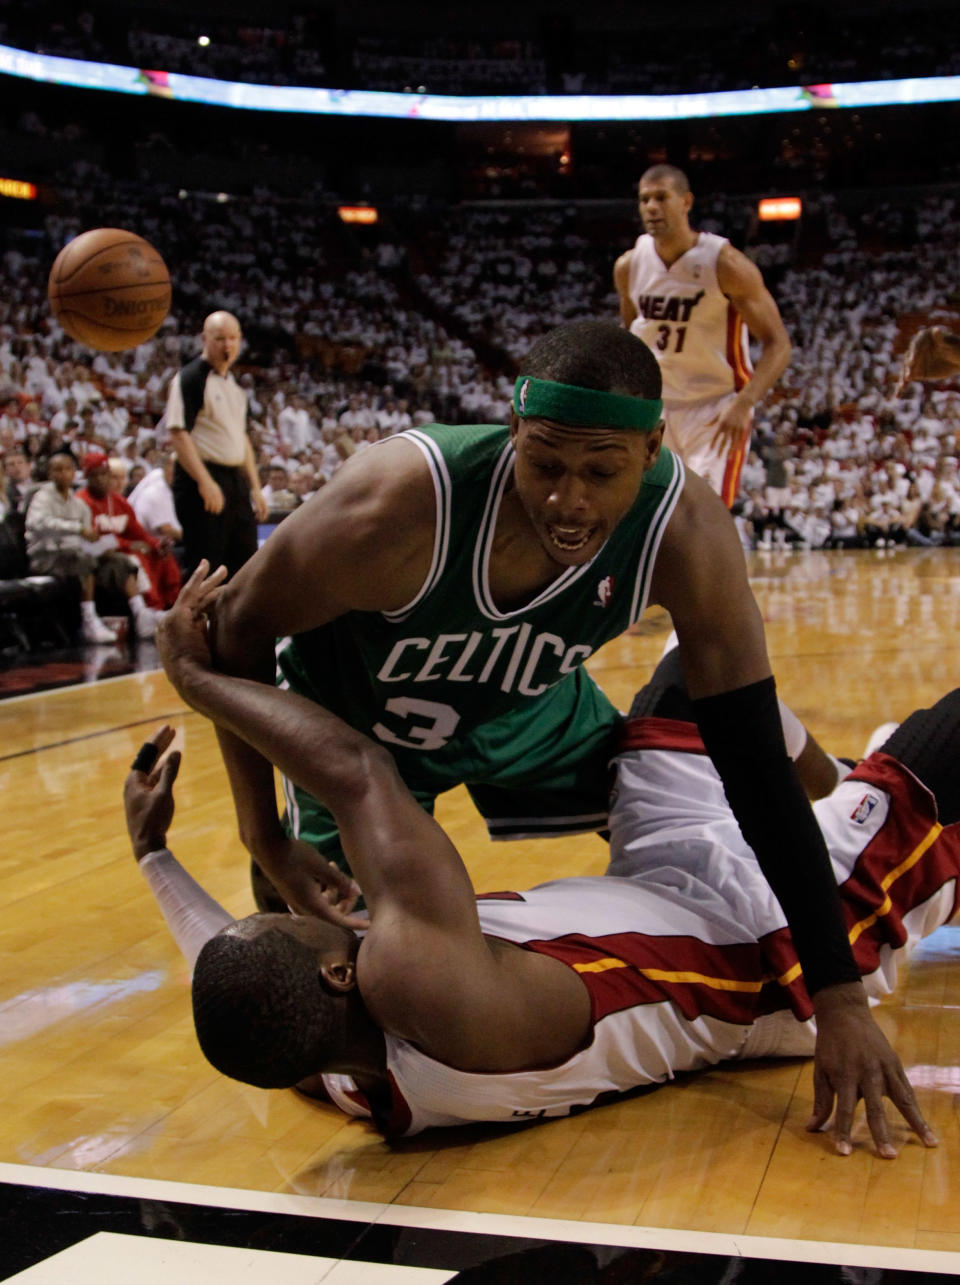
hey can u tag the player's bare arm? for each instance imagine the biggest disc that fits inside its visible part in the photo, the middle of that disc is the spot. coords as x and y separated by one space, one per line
621 281
742 283
701 579
426 972
363 543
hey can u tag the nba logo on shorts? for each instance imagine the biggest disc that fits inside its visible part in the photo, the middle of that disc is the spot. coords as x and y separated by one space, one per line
864 808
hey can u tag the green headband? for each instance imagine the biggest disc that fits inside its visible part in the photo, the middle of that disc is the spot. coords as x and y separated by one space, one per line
584 407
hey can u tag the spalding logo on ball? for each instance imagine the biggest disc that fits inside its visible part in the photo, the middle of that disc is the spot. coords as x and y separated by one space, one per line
109 289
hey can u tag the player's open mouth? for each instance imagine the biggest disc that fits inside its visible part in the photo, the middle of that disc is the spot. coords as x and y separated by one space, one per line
570 539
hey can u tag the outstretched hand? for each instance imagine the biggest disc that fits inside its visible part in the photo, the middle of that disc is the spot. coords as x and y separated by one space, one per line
148 796
934 353
853 1060
182 631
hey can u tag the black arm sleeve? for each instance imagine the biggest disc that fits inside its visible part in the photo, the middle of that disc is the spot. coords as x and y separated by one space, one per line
744 737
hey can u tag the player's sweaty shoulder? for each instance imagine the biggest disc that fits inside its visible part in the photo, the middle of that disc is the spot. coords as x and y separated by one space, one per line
737 276
363 542
696 544
379 522
387 490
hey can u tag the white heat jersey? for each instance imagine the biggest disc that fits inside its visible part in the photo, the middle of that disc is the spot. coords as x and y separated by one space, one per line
688 322
682 946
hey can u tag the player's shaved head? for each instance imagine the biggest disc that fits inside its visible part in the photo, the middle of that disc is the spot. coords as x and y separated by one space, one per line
260 1010
666 174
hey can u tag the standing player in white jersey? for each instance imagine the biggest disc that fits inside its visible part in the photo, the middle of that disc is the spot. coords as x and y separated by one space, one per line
692 298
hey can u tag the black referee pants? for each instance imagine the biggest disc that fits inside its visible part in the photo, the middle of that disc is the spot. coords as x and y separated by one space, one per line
228 537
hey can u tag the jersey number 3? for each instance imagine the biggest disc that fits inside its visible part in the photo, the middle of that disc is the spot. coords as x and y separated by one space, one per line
663 337
428 724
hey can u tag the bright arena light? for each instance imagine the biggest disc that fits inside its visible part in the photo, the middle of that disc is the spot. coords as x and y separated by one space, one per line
18 189
774 209
357 214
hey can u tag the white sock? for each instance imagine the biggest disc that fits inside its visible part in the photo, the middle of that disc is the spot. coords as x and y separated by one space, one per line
137 604
88 610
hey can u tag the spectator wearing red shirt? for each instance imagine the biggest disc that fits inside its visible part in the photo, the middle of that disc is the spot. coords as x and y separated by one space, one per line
113 515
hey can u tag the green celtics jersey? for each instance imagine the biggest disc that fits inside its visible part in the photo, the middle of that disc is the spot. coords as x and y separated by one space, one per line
459 689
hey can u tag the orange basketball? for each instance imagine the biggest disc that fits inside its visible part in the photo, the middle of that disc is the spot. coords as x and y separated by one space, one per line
109 289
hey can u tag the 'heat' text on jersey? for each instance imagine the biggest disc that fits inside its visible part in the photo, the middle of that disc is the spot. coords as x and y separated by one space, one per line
657 307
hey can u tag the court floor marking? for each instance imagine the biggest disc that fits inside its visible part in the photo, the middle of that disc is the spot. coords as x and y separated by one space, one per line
50 693
92 736
69 687
515 1225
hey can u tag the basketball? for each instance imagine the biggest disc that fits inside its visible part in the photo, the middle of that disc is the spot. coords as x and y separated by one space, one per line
109 289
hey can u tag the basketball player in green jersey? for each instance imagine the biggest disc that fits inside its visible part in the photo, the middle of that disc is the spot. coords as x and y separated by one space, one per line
441 595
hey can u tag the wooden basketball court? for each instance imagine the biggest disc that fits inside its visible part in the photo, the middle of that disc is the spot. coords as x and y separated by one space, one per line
101 1072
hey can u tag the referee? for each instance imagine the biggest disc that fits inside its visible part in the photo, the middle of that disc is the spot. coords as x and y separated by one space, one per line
216 489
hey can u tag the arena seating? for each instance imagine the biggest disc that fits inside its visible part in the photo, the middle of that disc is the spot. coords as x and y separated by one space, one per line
559 55
427 315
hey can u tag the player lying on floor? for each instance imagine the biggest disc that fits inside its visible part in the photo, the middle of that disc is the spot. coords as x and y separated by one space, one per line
455 1008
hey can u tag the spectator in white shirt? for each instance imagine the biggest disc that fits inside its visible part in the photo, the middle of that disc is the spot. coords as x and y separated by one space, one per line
152 501
295 426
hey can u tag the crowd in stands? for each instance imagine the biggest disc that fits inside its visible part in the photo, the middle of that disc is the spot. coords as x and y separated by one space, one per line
349 341
852 465
445 64
805 45
338 357
809 47
510 277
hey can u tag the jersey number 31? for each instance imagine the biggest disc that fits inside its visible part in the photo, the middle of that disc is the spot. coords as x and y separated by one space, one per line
663 337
